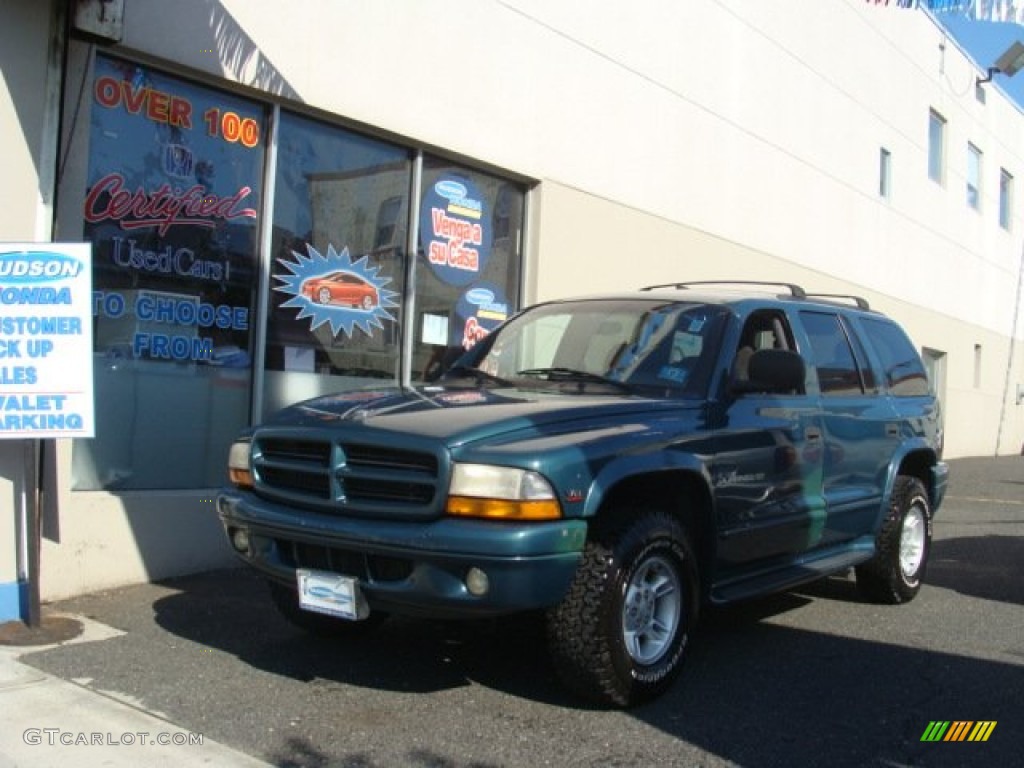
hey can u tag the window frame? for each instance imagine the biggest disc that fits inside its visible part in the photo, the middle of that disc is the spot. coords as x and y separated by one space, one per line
973 175
936 147
884 173
1005 199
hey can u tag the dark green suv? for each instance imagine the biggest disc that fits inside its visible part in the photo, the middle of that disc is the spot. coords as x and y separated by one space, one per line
613 461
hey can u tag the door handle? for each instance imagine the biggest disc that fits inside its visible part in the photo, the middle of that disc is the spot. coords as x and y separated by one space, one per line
812 433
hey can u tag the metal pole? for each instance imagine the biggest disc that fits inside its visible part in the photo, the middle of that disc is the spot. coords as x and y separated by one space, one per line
31 529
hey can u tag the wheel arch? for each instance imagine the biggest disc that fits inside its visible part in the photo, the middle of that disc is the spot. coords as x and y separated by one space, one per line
683 491
916 461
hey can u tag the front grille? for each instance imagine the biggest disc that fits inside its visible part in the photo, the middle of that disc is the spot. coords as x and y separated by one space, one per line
343 476
313 484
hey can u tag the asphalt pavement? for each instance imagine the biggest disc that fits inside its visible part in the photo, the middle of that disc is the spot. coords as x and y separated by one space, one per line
201 671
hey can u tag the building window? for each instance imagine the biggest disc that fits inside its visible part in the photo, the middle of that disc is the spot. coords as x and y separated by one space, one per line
169 196
936 147
341 206
468 270
973 177
1005 198
884 173
170 193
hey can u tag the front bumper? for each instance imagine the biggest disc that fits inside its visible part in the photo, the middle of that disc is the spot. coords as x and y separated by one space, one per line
411 568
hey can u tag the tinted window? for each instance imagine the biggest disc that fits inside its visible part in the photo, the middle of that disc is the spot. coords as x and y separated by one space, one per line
174 275
654 347
901 365
467 268
832 357
340 212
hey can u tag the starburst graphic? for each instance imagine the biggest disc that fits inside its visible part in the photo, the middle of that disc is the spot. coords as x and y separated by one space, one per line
358 301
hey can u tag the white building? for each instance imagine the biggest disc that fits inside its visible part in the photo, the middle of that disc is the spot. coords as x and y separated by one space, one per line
222 154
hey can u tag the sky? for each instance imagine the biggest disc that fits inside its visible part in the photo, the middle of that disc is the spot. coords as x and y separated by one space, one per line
985 41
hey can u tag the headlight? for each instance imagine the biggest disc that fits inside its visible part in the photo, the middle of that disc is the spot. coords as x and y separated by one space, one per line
239 467
504 493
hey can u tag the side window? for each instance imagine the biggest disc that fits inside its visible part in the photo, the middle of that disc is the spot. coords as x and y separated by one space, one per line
764 329
904 372
833 359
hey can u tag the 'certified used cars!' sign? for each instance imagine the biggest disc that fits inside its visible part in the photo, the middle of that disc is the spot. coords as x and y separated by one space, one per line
46 385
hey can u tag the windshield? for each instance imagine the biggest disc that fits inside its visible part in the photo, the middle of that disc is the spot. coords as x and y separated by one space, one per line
650 347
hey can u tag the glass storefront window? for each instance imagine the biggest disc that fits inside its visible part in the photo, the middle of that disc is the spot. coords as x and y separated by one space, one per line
468 265
164 177
341 210
172 195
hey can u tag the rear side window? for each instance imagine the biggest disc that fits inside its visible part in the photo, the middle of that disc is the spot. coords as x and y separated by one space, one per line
904 372
837 369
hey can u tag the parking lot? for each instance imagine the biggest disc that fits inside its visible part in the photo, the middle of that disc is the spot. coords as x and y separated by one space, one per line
808 677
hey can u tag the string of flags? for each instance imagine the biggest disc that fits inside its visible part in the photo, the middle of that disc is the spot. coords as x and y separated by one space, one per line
976 10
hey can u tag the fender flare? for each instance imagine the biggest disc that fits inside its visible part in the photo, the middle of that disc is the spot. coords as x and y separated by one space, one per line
624 467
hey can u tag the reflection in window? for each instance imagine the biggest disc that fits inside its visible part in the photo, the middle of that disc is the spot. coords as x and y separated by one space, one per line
833 359
340 207
387 222
468 265
904 372
174 280
654 347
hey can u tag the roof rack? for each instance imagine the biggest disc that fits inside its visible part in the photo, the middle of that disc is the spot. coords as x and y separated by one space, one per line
795 290
861 302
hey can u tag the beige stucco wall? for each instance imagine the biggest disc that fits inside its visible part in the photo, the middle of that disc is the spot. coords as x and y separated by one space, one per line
100 540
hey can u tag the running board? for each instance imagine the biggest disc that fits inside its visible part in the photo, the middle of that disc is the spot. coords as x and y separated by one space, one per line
808 568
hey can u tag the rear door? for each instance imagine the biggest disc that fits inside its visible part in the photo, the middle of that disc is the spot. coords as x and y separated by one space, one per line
861 429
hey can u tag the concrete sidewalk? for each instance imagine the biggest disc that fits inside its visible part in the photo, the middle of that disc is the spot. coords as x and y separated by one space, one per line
45 721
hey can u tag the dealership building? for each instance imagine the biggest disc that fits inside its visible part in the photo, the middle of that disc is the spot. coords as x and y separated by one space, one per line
288 199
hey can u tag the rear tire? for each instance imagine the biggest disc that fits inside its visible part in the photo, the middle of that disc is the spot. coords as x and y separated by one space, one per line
620 635
895 573
286 600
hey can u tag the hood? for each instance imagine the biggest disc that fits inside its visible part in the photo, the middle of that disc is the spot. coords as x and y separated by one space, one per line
458 415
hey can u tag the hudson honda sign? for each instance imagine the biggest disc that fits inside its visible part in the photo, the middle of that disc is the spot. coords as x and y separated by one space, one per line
46 385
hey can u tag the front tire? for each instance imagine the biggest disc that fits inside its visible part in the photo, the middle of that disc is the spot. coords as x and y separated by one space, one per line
620 635
895 573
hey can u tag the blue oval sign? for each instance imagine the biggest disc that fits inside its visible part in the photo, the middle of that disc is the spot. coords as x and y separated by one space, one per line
37 266
450 190
480 297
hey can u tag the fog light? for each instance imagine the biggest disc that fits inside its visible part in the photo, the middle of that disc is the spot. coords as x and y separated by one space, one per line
477 582
240 540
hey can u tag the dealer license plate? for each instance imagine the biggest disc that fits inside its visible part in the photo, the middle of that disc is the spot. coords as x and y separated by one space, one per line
329 593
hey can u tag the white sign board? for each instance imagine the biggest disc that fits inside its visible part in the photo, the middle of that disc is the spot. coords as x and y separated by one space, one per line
46 386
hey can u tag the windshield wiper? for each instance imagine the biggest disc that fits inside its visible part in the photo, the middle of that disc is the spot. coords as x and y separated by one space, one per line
482 378
571 374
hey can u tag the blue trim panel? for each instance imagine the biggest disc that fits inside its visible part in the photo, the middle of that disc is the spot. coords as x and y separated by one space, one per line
13 601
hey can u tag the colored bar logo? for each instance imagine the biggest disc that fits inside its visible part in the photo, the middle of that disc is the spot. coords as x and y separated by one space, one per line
958 730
